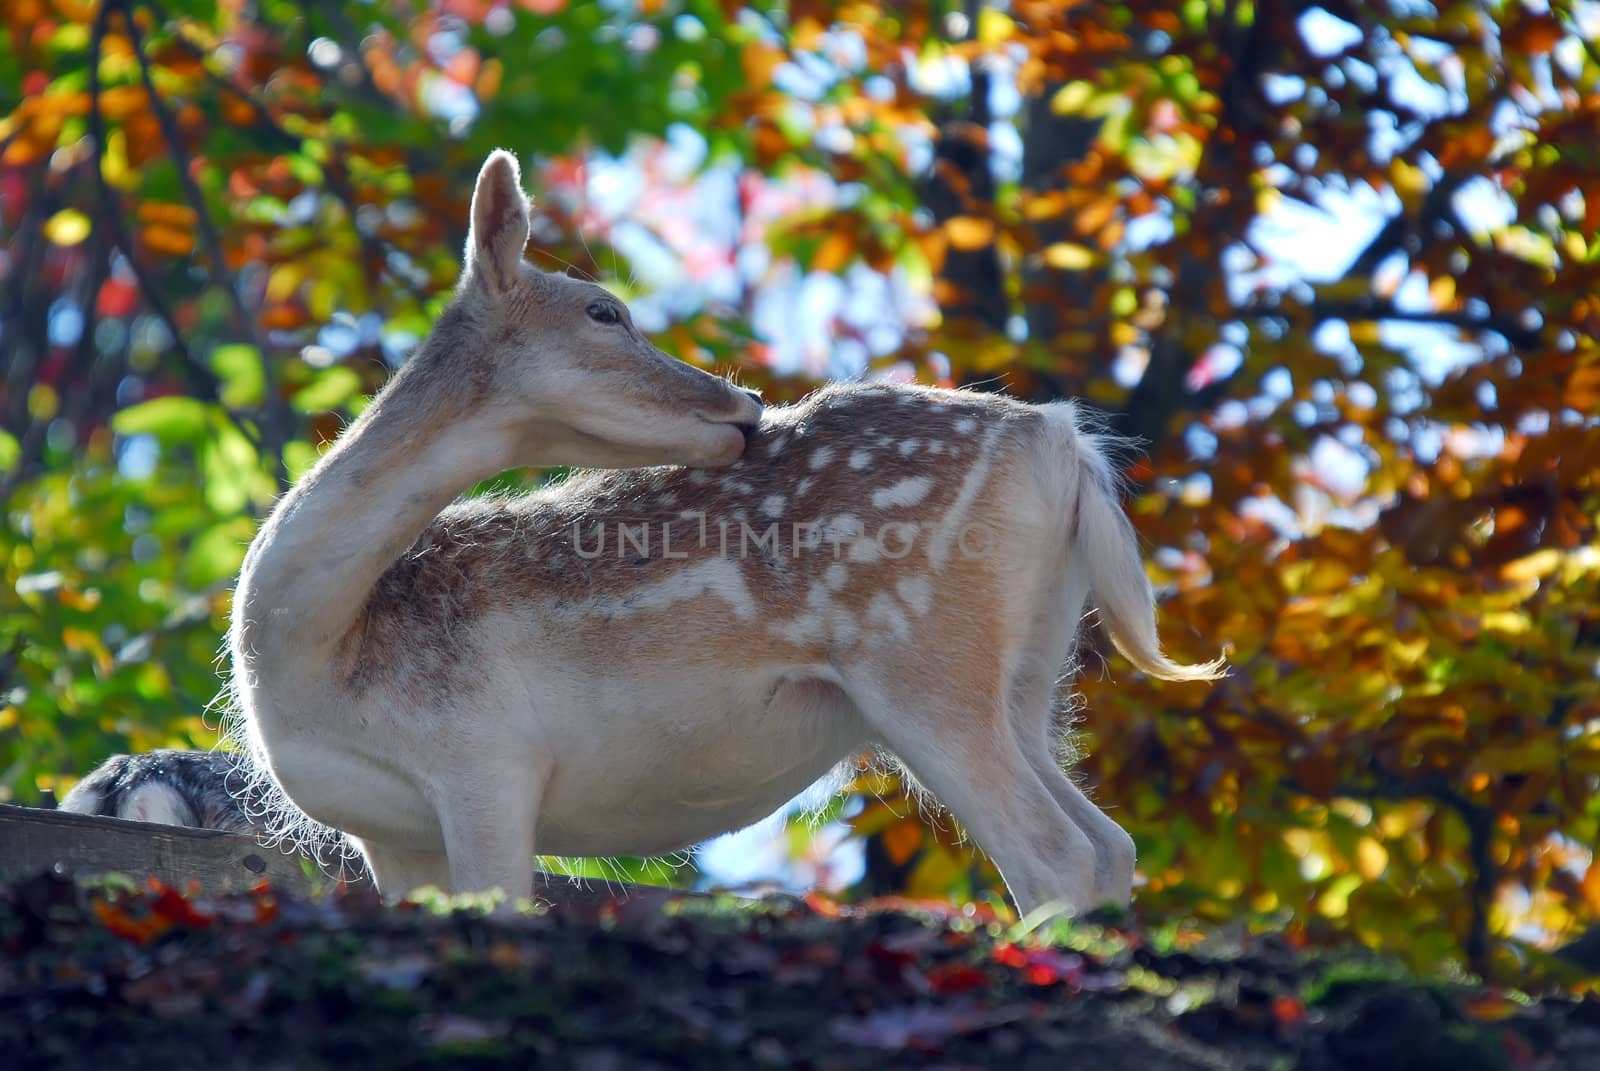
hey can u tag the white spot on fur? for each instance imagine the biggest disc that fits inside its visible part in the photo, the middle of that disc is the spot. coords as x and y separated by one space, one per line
908 492
772 505
803 629
824 619
155 802
845 629
805 485
907 446
821 456
966 425
938 408
865 550
667 501
844 529
775 447
917 591
717 578
884 614
860 459
950 527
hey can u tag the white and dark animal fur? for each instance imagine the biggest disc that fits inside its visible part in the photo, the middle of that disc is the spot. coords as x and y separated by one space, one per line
460 686
205 789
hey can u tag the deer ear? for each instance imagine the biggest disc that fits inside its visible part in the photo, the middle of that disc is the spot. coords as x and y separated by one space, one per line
499 224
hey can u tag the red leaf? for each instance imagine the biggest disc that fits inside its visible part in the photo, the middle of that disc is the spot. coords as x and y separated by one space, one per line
956 978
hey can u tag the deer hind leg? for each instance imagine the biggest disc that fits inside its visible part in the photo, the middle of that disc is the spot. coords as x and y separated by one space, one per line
400 871
960 745
1030 704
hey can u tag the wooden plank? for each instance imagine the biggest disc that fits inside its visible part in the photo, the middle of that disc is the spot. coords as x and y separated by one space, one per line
34 840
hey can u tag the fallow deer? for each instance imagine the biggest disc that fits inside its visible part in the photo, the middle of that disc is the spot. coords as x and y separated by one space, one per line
634 660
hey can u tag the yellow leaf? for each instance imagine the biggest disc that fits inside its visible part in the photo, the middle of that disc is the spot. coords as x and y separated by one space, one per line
969 232
67 227
1442 292
1071 98
995 27
1335 900
1509 622
1123 333
87 641
1408 181
1539 564
114 162
1065 256
935 874
283 282
1371 859
1364 332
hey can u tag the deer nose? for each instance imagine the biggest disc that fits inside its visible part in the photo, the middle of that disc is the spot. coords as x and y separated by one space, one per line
752 423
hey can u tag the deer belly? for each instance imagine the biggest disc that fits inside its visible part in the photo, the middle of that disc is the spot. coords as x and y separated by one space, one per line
694 765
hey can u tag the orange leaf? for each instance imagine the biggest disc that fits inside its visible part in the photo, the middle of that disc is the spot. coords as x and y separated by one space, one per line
902 840
1583 389
822 905
1491 1007
1591 886
969 232
834 252
164 239
758 62
1535 35
173 215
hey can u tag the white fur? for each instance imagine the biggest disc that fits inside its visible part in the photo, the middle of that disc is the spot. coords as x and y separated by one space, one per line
906 492
158 803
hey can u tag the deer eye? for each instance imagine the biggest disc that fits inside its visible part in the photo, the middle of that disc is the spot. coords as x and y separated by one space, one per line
601 313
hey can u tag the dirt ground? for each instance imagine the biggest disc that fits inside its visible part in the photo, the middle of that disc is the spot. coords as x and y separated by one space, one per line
108 978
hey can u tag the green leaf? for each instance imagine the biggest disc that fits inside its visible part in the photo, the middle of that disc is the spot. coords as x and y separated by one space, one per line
329 390
232 469
10 451
217 553
171 419
244 381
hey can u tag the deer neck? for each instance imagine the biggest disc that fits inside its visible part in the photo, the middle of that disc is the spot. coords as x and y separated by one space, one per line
311 568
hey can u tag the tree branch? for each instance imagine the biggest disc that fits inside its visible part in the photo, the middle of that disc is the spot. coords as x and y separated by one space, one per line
112 210
1364 309
275 422
334 179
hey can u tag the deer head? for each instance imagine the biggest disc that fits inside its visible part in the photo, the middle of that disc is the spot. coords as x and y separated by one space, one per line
569 377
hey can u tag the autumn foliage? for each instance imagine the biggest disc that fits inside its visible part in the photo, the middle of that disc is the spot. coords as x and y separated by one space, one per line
1368 469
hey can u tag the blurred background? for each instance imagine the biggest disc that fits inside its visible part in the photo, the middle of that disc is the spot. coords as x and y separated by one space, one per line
1336 266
